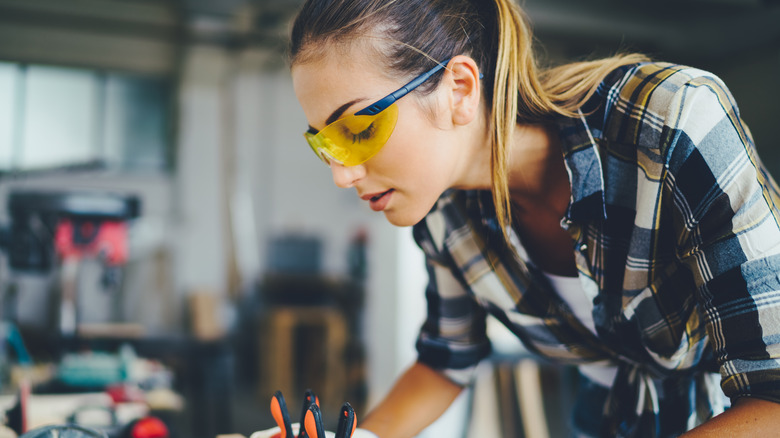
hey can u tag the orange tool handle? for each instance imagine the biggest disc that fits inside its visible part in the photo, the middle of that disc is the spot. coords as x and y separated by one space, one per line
281 416
308 399
313 422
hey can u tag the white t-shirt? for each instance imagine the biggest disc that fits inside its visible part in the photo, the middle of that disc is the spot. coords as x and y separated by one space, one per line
571 291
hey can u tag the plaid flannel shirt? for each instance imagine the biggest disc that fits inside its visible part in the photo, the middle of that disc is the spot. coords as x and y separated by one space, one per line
676 230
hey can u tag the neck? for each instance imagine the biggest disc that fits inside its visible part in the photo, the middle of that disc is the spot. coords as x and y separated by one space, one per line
537 172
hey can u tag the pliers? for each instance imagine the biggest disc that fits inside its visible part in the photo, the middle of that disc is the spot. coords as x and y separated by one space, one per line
282 416
346 425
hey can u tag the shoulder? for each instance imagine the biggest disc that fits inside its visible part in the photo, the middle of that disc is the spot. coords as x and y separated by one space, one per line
656 92
651 87
652 103
686 124
654 84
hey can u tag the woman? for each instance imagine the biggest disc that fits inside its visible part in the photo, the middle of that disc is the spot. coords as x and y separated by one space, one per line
612 214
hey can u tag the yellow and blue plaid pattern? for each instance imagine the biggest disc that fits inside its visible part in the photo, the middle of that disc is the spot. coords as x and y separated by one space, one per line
676 228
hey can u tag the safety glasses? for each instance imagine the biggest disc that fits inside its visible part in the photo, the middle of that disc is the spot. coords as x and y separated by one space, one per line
353 139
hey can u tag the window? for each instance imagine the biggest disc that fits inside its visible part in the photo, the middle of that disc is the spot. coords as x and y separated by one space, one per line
57 116
8 77
136 134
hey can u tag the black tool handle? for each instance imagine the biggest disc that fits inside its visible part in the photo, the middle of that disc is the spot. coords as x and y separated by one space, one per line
308 399
347 421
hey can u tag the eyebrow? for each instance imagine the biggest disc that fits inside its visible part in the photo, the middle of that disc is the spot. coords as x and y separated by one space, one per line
336 114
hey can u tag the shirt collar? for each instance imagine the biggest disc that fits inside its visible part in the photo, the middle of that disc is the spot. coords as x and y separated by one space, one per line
586 175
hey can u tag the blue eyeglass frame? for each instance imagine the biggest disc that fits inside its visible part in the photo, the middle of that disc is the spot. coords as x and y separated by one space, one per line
382 104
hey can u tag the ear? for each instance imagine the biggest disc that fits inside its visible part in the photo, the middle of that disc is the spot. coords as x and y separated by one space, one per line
466 91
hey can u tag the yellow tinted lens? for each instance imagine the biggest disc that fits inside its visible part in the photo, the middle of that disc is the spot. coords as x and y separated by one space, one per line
318 144
354 139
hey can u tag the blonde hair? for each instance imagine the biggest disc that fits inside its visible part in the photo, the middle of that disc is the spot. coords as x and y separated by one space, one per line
523 93
495 33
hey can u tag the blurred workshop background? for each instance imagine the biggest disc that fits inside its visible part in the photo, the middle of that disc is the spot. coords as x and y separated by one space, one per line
171 250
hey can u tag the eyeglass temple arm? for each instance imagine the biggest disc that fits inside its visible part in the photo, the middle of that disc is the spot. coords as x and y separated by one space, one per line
382 104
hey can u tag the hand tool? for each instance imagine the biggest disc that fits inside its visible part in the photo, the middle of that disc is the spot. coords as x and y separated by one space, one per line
313 422
308 399
347 421
281 416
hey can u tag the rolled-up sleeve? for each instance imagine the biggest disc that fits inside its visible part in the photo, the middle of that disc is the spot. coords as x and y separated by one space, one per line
728 231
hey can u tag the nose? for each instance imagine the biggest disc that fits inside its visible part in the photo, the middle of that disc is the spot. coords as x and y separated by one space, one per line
346 176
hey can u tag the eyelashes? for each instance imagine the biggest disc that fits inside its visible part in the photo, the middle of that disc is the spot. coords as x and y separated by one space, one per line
364 134
358 137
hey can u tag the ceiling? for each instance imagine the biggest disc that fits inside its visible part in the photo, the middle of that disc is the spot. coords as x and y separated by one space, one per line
697 30
692 29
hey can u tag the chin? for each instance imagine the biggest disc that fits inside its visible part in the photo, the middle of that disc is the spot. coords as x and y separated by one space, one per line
402 220
407 214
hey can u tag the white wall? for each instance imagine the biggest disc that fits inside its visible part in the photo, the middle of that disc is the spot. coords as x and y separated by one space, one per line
200 236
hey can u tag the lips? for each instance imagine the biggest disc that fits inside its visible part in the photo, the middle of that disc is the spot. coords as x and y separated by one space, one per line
378 201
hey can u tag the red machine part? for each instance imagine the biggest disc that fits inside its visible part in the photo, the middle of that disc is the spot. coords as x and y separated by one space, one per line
125 392
92 238
148 427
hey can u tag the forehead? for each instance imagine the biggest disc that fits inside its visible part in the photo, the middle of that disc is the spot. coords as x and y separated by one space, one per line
337 76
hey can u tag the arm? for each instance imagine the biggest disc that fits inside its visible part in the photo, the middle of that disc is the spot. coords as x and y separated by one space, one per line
731 243
749 417
416 400
451 343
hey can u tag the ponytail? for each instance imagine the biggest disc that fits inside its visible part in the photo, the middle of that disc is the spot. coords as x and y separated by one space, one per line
522 93
513 56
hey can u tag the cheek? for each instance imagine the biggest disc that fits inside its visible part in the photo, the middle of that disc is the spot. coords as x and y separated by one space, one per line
410 156
416 142
417 167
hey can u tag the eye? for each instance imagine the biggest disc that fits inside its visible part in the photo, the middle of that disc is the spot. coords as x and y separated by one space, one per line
365 134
